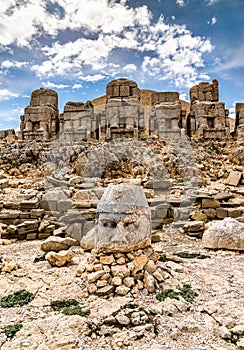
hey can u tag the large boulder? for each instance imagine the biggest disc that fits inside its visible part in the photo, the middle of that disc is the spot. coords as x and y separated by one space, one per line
226 234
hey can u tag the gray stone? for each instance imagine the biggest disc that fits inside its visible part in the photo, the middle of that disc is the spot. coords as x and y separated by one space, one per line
123 219
226 234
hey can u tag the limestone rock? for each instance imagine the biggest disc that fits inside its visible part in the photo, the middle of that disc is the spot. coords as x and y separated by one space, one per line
59 259
139 262
226 234
54 243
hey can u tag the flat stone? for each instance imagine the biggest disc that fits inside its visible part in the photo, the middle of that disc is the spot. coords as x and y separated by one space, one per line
122 290
139 262
55 243
107 259
210 203
105 290
193 226
94 276
123 320
234 178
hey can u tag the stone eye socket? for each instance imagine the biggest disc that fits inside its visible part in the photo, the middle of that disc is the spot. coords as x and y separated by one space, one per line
111 224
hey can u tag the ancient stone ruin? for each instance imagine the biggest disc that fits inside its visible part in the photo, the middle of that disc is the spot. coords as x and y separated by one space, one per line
125 114
208 117
40 120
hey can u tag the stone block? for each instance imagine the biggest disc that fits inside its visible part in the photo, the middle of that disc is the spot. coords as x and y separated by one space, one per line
4 183
64 205
234 212
27 227
48 205
37 213
221 213
211 213
29 205
31 236
234 178
210 203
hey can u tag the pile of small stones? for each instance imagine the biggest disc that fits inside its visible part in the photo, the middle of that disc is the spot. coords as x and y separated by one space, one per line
123 273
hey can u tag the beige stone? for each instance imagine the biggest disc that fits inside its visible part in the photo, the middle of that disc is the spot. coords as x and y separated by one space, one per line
55 243
210 203
116 281
59 259
139 262
150 266
94 276
234 178
149 282
120 271
129 282
106 259
122 290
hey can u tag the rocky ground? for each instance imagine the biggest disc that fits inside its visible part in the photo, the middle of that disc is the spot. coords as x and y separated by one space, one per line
208 322
210 316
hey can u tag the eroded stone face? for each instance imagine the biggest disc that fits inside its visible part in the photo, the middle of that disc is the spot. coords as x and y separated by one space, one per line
123 219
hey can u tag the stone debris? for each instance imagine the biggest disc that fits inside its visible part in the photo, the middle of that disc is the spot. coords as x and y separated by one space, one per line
59 259
123 273
226 234
56 244
170 174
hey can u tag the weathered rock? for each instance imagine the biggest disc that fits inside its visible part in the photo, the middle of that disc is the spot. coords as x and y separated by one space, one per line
55 243
226 234
59 259
234 178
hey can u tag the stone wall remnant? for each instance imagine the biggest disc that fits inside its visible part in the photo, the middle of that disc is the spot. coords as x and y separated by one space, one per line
166 117
123 115
240 122
40 119
77 120
208 117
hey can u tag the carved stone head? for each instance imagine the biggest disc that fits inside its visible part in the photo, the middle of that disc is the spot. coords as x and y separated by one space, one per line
124 219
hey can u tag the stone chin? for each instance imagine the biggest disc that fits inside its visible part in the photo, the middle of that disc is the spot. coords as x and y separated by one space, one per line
116 248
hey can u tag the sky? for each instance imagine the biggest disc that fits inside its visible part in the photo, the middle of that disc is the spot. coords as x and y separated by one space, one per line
76 47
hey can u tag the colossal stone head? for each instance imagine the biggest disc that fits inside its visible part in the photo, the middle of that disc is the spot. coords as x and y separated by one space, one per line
124 219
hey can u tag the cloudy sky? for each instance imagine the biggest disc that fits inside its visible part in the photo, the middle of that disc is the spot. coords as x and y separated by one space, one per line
77 46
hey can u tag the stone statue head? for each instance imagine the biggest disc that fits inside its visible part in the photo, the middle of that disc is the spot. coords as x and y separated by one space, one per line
124 219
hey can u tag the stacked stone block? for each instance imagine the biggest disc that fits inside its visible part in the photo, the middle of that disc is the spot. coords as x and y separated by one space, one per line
208 118
40 119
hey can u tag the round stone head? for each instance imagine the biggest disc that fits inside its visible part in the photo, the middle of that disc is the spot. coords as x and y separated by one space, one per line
124 219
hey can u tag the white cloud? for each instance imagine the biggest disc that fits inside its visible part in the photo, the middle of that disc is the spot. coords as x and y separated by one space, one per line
54 86
183 97
5 94
77 86
13 64
108 30
94 16
213 21
93 78
130 68
182 3
211 2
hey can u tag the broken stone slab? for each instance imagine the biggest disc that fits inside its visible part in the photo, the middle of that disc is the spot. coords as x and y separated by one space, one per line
59 259
193 226
55 243
234 178
27 227
226 234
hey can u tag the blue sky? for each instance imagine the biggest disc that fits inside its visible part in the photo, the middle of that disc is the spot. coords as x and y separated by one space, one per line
76 47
